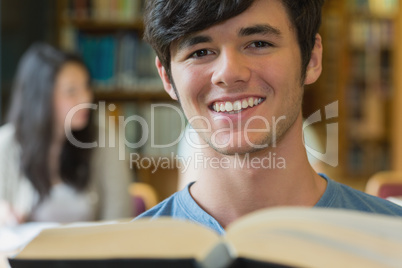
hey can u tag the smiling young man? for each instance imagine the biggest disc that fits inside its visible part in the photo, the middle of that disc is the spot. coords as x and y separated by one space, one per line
238 69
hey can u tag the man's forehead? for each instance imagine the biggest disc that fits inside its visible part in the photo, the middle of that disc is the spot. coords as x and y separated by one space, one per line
268 26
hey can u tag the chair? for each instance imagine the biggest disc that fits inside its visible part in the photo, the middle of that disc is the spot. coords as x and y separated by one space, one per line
385 184
143 196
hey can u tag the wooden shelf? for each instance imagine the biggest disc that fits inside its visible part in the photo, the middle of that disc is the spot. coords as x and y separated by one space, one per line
129 100
102 26
368 14
124 95
360 72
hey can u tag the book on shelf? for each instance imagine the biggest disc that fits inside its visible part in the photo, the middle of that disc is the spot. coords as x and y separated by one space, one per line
371 34
104 10
379 8
117 58
118 61
126 67
279 237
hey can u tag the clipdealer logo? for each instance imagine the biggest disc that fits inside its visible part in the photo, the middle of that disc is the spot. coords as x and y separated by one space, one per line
330 156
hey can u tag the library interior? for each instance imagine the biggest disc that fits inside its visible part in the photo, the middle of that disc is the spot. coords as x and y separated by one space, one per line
352 124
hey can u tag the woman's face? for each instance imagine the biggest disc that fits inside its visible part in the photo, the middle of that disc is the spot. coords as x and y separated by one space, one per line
71 89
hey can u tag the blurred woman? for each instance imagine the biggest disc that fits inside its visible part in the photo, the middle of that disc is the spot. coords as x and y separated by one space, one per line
43 176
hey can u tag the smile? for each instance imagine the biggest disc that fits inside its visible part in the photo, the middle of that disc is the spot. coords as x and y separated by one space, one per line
237 106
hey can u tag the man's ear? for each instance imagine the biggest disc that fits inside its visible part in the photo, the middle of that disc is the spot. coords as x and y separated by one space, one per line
165 79
314 67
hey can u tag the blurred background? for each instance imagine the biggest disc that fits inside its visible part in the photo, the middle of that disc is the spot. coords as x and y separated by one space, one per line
358 97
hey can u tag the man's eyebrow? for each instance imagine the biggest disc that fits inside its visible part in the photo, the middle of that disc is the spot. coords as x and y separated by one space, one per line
192 41
260 29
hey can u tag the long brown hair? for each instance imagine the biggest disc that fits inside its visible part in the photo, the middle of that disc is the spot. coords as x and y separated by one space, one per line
31 113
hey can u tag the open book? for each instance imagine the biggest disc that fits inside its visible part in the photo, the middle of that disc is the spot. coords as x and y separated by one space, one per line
280 237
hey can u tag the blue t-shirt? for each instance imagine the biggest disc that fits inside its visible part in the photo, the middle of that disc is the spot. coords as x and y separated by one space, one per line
182 205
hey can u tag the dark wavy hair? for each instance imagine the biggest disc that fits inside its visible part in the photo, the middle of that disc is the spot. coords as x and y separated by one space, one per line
169 20
31 114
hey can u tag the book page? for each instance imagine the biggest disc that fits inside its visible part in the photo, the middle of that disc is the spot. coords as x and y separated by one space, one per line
318 238
162 238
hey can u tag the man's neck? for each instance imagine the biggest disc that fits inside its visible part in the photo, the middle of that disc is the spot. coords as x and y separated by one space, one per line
284 178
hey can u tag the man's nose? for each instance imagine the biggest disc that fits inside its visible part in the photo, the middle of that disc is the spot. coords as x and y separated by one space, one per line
231 68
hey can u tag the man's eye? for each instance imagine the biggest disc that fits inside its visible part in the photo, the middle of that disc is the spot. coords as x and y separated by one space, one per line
260 44
200 53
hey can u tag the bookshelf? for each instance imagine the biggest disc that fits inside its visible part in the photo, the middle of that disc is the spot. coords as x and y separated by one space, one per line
361 71
108 35
361 65
397 98
91 25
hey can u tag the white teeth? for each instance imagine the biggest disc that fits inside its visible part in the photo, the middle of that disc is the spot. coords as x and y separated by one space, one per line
236 106
244 104
228 106
222 108
250 102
